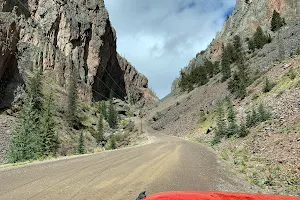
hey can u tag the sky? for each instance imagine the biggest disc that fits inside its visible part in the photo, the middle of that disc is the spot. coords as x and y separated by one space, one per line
160 37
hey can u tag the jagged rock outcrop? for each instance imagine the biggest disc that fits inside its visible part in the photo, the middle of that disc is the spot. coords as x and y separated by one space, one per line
59 35
246 17
136 84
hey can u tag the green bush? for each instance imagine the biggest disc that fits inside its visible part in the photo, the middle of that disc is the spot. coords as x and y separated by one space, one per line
291 74
268 86
298 51
216 140
111 144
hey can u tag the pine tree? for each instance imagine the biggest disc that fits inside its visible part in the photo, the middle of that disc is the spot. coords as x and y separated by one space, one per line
238 54
80 148
49 138
221 124
216 67
225 64
260 38
263 113
103 110
268 86
254 117
248 120
243 131
72 100
112 142
231 118
277 22
100 130
239 82
209 66
26 141
112 115
251 45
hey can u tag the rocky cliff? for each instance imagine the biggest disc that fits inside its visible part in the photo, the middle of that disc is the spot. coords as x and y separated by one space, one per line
246 17
59 35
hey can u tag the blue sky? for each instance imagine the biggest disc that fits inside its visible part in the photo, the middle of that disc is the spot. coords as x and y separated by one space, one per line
159 37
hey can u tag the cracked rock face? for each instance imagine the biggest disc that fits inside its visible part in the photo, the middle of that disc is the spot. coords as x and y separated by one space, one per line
59 35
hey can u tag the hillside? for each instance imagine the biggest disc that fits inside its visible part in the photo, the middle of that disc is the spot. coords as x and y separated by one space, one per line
60 38
268 155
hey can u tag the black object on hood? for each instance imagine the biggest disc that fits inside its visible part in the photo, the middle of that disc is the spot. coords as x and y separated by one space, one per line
142 196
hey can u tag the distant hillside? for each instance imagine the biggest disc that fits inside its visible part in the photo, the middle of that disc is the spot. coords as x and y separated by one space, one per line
246 17
241 95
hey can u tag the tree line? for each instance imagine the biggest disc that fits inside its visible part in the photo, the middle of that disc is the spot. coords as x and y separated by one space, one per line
232 54
228 126
35 135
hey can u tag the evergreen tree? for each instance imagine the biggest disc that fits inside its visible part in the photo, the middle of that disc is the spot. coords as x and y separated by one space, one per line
185 82
243 131
249 120
225 64
277 22
209 66
49 137
238 54
112 115
263 114
268 86
112 142
231 118
239 82
200 76
221 123
254 117
34 90
26 141
216 67
81 148
100 130
72 99
103 110
251 45
260 38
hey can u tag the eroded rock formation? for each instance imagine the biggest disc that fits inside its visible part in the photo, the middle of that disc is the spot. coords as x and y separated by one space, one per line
59 35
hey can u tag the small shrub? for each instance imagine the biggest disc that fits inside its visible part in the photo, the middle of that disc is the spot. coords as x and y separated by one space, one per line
298 51
297 84
268 86
243 131
291 74
111 144
216 140
263 114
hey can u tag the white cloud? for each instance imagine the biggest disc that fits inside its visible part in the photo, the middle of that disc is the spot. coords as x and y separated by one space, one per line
159 37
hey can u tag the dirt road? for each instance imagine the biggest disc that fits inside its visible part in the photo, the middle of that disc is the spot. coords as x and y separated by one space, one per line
166 164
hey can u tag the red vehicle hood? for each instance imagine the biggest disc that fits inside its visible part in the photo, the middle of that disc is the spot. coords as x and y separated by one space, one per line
216 196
